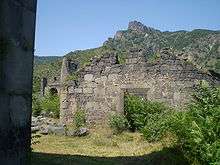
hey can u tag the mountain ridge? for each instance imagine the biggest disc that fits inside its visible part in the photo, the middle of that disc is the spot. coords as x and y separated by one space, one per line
199 46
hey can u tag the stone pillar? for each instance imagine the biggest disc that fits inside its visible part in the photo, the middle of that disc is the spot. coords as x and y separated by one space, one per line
17 30
64 103
64 70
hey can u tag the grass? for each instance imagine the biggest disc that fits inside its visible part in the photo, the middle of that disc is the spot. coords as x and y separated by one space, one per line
100 148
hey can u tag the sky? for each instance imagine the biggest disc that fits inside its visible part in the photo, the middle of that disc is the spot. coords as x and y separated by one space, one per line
67 25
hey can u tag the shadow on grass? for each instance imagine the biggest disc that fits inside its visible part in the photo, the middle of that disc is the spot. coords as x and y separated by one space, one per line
167 156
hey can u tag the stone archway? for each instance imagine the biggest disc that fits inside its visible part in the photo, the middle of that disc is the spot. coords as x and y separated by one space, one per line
17 33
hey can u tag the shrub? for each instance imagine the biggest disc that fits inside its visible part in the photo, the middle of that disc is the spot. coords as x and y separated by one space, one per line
79 119
36 105
198 129
118 123
156 126
51 104
141 113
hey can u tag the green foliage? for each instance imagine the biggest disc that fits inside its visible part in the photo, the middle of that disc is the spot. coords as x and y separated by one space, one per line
146 116
121 56
36 105
198 129
138 110
72 77
36 85
84 57
79 119
51 105
154 58
48 67
118 123
156 126
217 65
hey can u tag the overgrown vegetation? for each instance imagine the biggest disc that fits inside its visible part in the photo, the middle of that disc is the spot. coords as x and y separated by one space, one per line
71 77
196 131
36 105
141 113
79 119
118 123
49 104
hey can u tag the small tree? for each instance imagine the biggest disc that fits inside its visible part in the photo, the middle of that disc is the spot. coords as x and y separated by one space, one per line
36 105
198 129
51 104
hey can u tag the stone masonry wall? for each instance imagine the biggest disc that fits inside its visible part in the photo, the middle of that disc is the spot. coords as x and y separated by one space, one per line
102 84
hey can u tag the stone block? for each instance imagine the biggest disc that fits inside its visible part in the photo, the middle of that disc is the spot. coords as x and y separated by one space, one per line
104 78
71 90
78 90
87 90
113 77
99 92
89 77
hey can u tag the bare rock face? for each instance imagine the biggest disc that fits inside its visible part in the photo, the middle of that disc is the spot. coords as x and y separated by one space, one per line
118 35
139 27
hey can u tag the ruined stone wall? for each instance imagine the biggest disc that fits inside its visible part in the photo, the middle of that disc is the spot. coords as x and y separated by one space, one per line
102 85
17 30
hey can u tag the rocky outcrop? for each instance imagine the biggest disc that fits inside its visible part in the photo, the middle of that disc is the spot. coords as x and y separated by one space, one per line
140 28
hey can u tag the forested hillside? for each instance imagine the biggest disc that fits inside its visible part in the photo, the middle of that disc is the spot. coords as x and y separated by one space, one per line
200 47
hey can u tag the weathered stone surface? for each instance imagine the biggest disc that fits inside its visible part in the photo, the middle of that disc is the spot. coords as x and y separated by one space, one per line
78 90
87 90
81 132
56 130
102 86
88 77
17 29
35 129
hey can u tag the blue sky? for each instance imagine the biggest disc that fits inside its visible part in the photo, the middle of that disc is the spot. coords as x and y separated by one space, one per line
68 25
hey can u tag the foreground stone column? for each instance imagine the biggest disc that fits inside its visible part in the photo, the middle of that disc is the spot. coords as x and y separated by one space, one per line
17 30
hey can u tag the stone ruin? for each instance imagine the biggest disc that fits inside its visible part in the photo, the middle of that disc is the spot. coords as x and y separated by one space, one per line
100 87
